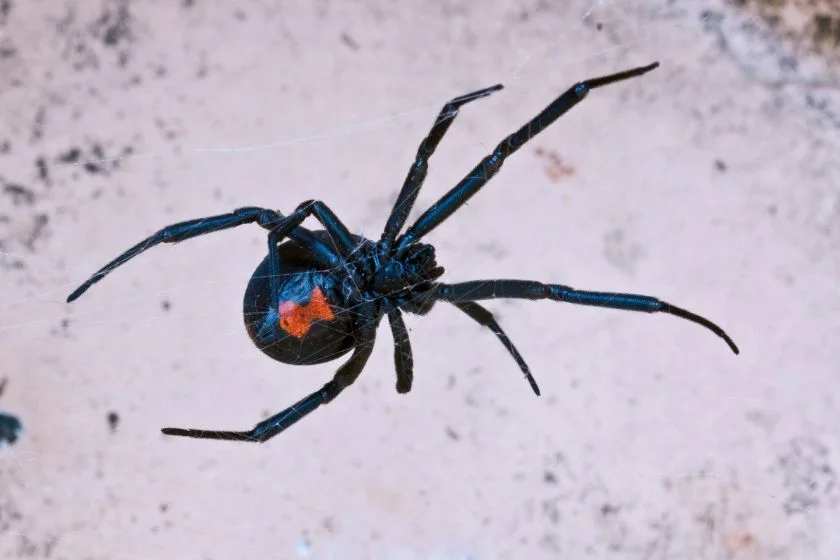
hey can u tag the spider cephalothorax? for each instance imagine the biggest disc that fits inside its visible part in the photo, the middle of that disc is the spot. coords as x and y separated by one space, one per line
318 295
405 280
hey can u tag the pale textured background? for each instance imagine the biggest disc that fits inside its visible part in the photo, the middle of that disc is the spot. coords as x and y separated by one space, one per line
712 182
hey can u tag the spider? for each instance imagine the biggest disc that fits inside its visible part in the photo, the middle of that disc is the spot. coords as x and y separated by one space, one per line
318 295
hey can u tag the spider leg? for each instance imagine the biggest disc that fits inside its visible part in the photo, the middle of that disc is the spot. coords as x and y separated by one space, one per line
343 240
485 318
344 377
527 289
403 358
417 172
182 231
490 165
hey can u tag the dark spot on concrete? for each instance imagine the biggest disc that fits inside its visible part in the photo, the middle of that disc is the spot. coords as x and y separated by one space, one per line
239 15
12 264
163 508
720 165
609 509
10 428
113 26
808 476
772 210
78 54
38 124
549 477
20 194
5 10
202 69
349 41
113 420
815 101
620 251
3 383
827 30
70 156
187 3
551 510
492 249
166 305
92 167
95 164
556 168
710 16
43 171
63 328
7 50
823 26
5 147
452 434
37 232
30 548
166 129
599 26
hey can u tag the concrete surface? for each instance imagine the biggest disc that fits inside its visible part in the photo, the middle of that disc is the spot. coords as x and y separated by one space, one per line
712 182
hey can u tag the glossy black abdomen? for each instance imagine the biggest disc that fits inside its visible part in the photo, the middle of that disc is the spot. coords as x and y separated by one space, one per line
310 324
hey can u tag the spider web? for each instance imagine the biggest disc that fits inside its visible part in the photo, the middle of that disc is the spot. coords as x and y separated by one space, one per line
124 124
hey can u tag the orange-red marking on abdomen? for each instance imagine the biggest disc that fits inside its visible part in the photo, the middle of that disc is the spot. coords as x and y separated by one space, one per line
297 319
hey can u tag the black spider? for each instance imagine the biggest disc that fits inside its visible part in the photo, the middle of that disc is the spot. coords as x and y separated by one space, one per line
321 294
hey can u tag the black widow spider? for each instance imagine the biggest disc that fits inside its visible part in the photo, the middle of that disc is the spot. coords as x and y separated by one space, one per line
322 293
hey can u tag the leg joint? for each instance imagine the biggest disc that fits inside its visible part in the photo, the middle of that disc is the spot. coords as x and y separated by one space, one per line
306 205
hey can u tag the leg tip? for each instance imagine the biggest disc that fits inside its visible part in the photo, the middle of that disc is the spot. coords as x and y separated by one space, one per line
732 345
533 383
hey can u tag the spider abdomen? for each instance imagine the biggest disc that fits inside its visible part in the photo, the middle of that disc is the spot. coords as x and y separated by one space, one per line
308 322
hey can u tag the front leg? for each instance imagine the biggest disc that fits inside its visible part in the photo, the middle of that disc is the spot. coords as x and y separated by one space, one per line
417 173
492 163
528 289
181 232
189 229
